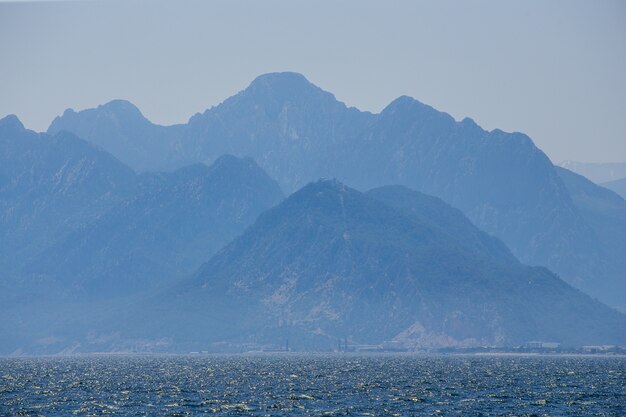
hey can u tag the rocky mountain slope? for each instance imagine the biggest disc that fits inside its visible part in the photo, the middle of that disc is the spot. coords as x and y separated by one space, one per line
331 263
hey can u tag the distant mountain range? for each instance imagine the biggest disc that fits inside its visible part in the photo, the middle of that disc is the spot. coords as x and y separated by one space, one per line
49 186
121 129
78 226
170 225
331 265
598 172
392 267
607 175
605 212
619 186
298 133
201 251
73 213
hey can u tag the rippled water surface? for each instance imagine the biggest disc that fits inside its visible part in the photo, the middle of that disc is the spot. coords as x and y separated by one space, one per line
333 385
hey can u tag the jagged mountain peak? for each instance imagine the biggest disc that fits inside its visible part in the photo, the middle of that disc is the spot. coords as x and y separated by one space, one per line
227 167
227 161
408 108
331 185
243 168
120 106
275 91
323 194
283 85
281 80
119 127
120 113
407 102
11 123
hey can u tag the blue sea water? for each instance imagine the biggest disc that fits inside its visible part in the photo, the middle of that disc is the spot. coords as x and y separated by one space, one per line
315 385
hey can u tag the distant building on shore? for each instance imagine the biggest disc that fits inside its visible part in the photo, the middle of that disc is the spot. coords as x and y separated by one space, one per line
594 349
542 345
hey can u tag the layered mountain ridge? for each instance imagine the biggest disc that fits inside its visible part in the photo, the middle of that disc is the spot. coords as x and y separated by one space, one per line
172 223
605 211
121 129
50 185
618 186
330 263
80 231
97 255
298 132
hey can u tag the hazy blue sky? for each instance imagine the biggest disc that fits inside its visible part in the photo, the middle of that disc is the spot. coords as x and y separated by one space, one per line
554 70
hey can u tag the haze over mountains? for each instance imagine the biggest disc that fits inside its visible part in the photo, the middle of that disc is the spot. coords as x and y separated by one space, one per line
72 211
619 186
50 185
298 133
78 226
597 172
330 262
165 230
119 234
607 175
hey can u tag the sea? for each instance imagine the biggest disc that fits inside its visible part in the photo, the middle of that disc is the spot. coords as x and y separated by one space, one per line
313 385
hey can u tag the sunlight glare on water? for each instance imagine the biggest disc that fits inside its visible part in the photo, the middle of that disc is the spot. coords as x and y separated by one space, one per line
330 385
